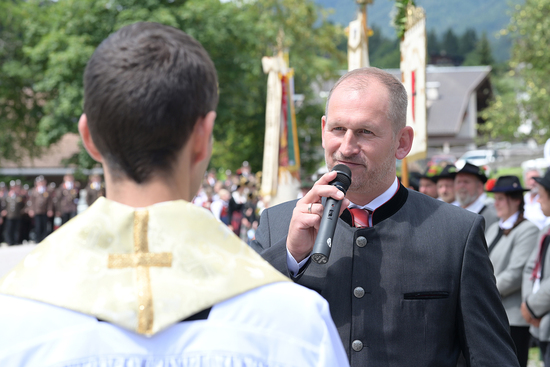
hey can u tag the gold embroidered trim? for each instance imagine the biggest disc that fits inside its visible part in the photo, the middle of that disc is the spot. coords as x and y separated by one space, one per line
414 15
142 260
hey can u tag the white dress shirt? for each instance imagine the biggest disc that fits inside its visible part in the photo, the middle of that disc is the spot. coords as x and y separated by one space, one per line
478 204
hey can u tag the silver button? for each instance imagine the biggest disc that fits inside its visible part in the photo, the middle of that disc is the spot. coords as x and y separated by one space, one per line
357 345
361 241
359 292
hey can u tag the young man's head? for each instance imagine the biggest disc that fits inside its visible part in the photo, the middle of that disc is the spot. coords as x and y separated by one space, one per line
147 89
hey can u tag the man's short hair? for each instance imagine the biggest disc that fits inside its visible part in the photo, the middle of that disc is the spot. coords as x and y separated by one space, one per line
145 87
360 78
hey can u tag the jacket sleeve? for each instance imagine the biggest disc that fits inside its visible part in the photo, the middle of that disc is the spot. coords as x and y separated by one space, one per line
509 280
527 282
482 323
271 235
539 303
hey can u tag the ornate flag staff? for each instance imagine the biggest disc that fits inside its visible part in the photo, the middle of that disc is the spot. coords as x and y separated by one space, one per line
358 34
410 23
281 163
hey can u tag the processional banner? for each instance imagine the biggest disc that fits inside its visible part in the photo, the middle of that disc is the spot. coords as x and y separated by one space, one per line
358 54
281 163
413 76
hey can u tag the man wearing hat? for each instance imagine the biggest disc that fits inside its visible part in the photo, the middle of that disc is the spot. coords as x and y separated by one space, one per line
533 211
446 185
536 278
66 199
470 193
15 204
40 206
427 184
510 241
95 189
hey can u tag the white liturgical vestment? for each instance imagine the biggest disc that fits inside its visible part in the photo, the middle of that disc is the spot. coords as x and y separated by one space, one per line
112 286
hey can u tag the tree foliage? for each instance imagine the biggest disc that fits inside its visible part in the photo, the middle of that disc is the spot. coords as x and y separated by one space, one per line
44 47
520 109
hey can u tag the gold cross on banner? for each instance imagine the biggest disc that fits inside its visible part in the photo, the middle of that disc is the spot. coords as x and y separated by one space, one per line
142 260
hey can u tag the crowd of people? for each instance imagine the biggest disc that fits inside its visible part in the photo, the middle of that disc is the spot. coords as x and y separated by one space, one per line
517 220
234 201
28 215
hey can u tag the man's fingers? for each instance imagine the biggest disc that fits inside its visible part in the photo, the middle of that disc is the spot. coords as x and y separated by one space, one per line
314 208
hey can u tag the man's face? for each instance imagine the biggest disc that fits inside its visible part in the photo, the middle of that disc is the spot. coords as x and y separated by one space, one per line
446 189
544 200
530 182
467 188
357 133
428 187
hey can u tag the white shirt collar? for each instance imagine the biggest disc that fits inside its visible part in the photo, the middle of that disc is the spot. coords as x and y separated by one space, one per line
382 199
509 223
478 204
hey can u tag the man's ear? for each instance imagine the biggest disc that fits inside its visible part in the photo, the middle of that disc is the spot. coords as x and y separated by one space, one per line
323 123
87 139
201 139
405 140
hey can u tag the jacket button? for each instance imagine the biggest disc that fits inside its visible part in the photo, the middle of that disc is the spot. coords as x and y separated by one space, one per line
361 241
357 345
359 292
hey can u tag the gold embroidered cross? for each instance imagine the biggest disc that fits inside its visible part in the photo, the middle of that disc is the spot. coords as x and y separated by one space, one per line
142 260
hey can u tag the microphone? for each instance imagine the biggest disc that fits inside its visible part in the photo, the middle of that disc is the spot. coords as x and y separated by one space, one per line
323 242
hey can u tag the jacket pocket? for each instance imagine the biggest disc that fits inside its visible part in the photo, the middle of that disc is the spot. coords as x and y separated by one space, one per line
427 295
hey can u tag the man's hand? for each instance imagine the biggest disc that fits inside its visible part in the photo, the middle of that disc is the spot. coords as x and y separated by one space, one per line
307 214
528 317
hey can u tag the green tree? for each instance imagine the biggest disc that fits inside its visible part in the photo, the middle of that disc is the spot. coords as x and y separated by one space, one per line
383 52
58 37
468 41
524 99
433 43
450 43
482 54
20 105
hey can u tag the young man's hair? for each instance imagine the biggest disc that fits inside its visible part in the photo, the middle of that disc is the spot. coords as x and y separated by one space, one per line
145 87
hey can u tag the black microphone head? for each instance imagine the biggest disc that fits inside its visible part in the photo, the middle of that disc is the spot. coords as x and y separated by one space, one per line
343 177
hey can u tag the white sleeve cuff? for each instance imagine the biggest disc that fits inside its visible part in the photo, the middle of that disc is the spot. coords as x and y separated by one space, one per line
294 266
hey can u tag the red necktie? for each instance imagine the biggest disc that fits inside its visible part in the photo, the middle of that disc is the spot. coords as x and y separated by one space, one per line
360 217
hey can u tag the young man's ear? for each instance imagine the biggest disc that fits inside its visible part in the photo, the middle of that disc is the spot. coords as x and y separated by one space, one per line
87 139
202 137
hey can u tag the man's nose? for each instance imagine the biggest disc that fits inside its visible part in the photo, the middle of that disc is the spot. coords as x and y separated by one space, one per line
349 146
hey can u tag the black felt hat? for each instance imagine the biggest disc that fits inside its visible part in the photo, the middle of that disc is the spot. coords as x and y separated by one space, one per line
508 184
544 181
474 170
449 171
431 173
